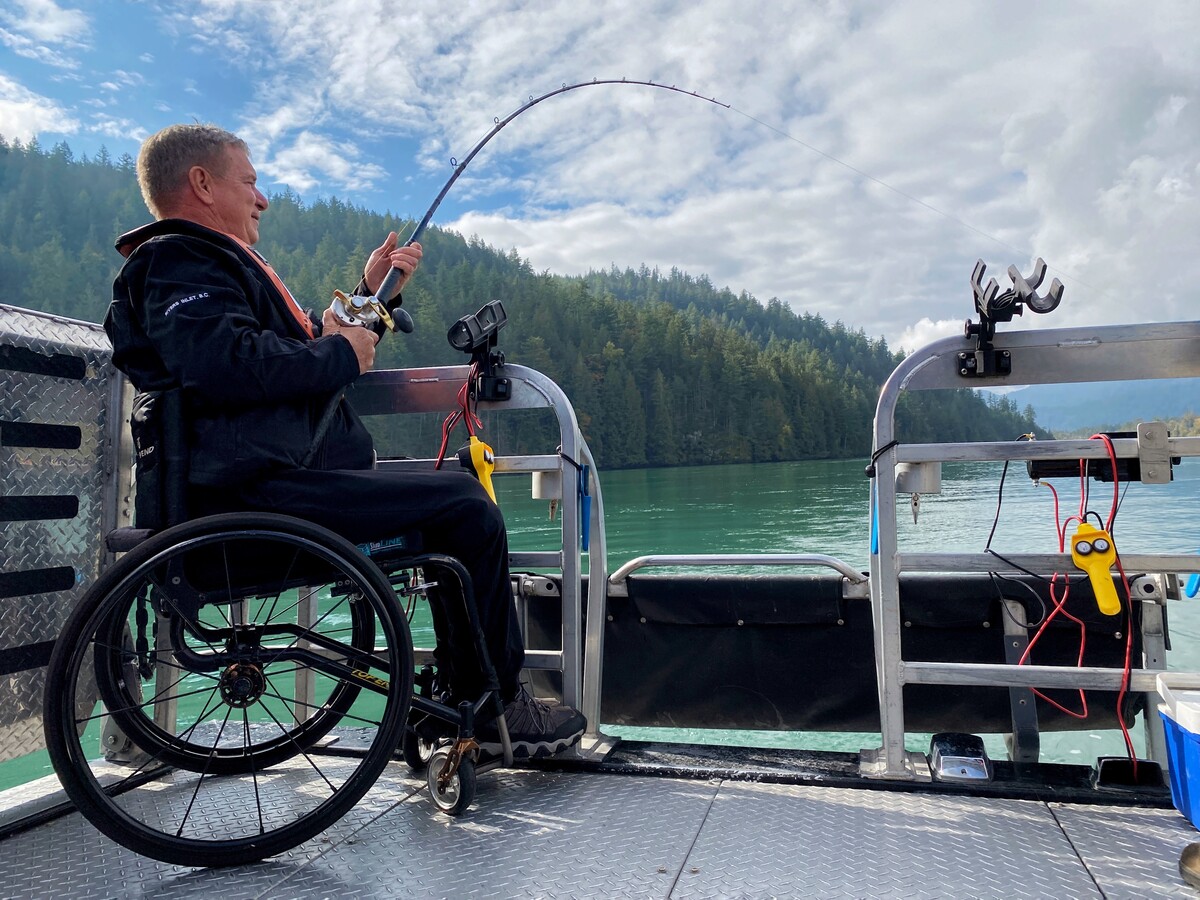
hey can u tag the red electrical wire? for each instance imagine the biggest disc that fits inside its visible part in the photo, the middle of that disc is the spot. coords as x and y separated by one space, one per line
464 412
1060 603
1057 532
1112 458
1127 672
1059 607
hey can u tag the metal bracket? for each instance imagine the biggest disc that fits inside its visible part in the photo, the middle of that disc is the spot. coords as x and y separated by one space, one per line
984 361
1024 742
872 763
1153 587
1153 453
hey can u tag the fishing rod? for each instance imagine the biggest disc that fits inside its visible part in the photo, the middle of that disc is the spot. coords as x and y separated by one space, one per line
359 310
355 310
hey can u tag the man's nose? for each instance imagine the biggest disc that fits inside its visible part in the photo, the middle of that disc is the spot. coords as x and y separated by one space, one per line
260 199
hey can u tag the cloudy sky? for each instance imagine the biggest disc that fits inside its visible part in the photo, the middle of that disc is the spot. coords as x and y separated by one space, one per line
871 151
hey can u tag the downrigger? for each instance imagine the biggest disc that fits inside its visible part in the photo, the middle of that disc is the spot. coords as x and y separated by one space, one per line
476 334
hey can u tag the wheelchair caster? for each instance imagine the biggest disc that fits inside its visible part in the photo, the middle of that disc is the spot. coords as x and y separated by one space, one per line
417 750
454 794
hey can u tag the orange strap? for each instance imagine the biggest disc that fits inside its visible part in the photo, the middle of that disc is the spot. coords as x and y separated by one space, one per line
293 306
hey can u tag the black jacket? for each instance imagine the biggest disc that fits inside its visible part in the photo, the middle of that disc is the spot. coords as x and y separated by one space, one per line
192 310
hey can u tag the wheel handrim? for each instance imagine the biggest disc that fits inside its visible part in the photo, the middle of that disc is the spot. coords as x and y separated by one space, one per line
325 784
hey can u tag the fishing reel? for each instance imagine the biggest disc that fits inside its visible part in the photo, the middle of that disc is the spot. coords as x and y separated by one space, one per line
994 306
366 311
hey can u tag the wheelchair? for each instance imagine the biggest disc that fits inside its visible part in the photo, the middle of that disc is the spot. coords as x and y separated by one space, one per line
233 684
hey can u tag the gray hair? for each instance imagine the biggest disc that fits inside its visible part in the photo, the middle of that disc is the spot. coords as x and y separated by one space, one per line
167 156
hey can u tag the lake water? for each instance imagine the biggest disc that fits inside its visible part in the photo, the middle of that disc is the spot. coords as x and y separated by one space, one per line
822 507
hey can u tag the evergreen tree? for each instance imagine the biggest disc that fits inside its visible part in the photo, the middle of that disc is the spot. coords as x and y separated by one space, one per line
661 368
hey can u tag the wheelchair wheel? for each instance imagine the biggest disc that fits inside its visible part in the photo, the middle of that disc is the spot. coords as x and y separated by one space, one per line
417 750
130 702
456 794
255 675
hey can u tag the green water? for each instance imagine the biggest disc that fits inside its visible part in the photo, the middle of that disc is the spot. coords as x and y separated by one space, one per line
822 507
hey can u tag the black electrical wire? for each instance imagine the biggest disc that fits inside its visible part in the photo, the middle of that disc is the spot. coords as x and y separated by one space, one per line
999 502
1000 499
1009 562
1036 596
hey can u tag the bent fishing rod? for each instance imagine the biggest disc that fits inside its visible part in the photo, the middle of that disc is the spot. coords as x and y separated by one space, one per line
354 310
367 310
359 310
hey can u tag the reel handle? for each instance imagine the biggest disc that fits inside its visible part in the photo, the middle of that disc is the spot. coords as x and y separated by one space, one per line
354 310
404 322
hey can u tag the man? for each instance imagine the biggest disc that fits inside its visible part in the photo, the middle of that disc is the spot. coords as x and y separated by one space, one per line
195 308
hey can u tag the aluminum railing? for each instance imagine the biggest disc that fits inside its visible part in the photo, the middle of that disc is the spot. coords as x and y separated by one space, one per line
431 390
1099 353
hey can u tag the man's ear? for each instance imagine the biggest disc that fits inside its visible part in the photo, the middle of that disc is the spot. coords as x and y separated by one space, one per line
200 181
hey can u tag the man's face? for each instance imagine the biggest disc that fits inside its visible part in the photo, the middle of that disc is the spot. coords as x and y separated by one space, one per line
238 202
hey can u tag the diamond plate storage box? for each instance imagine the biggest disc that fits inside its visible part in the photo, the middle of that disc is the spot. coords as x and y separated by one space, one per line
60 430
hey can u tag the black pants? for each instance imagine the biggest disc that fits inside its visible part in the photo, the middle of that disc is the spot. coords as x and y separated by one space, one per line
449 508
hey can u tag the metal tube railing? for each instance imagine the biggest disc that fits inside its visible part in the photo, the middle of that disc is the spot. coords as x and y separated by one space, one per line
1050 356
737 559
403 391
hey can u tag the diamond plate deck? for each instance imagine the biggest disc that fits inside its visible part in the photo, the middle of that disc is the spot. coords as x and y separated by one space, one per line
69 858
535 833
1132 853
796 840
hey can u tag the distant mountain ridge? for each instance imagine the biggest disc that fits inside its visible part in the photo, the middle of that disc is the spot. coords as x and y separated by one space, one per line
1070 407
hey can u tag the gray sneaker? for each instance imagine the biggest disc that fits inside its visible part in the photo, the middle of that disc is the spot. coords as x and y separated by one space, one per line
536 729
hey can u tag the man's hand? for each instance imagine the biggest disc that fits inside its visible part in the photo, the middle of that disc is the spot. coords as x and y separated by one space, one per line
388 256
363 340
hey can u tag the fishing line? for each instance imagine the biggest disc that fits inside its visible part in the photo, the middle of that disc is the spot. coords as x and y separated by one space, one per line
459 167
500 123
390 283
907 196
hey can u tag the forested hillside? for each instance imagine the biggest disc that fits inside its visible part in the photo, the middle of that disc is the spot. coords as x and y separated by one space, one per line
662 369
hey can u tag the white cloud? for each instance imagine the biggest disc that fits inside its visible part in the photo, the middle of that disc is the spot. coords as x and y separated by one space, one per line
24 114
30 49
45 20
41 30
122 79
129 79
117 127
926 331
874 153
310 153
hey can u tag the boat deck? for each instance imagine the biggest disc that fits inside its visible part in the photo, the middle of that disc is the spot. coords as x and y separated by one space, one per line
594 833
